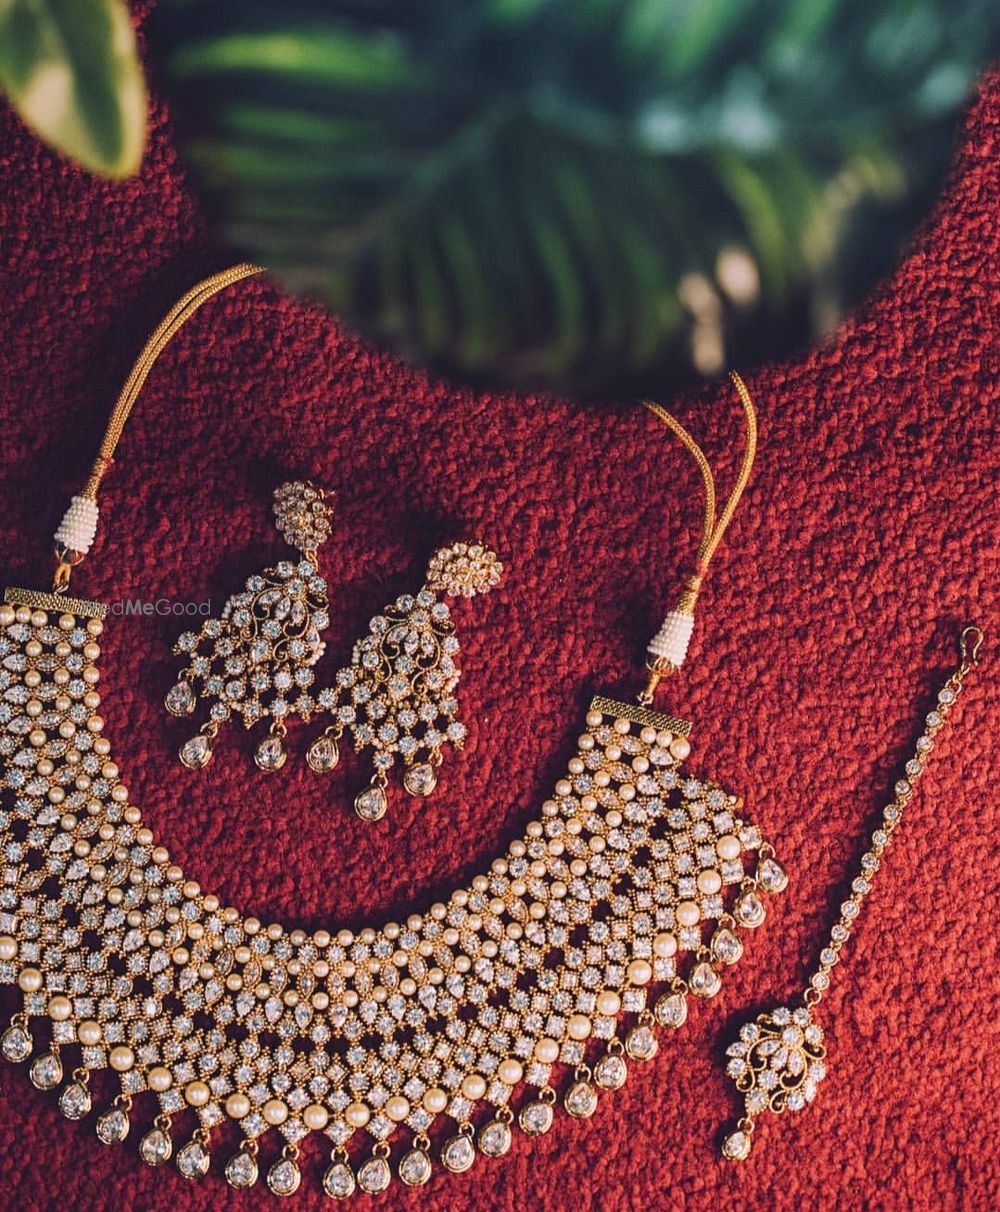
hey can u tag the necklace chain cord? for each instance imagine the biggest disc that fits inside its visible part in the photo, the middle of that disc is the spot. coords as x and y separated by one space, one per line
78 528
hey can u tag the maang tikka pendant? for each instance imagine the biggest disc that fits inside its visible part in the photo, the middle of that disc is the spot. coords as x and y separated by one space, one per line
397 696
256 659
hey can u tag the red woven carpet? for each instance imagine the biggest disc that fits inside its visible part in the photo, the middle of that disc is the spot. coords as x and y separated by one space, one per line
868 534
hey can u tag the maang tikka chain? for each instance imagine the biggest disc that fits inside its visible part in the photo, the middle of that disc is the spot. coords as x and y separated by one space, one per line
779 1059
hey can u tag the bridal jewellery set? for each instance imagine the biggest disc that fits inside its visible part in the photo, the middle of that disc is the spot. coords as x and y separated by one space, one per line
537 984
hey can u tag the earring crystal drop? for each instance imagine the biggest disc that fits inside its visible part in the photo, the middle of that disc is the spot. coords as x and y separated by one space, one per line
396 698
255 660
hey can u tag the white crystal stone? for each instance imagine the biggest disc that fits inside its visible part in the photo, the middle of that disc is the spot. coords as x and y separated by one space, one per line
749 910
46 1071
16 1044
74 1101
284 1177
458 1153
736 1146
772 876
415 1168
705 981
197 752
113 1126
242 1170
371 805
374 1175
495 1138
581 1100
641 1043
193 1160
421 779
270 754
155 1148
671 1010
323 754
180 699
726 947
535 1118
611 1072
339 1181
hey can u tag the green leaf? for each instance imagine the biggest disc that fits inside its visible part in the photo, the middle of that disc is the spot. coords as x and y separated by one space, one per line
579 195
71 70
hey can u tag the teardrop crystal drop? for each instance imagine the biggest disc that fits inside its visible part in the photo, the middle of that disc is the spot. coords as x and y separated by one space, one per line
671 1010
270 754
772 876
420 780
16 1044
113 1126
535 1118
374 1175
180 699
197 752
736 1146
495 1138
705 981
74 1101
641 1043
415 1168
156 1147
581 1100
726 946
339 1181
459 1153
323 754
193 1160
284 1177
749 910
371 804
241 1170
46 1071
611 1072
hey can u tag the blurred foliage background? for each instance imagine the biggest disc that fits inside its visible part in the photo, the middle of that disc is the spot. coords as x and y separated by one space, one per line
582 195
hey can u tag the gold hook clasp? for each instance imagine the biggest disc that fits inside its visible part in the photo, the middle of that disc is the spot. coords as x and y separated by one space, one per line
969 643
657 670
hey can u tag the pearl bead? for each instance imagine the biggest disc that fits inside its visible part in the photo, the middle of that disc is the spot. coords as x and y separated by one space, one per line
357 1115
688 913
609 1003
728 847
709 882
664 946
622 726
121 1059
578 1026
237 1106
197 1093
89 1032
397 1108
594 718
159 1079
547 1051
435 1100
8 947
640 972
474 1087
648 735
680 748
316 1117
60 1008
510 1071
274 1111
30 980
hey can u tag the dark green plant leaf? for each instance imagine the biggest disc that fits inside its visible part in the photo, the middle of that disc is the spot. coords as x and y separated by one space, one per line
71 70
578 194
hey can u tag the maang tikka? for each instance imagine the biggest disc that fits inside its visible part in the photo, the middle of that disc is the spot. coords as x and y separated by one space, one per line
397 696
255 660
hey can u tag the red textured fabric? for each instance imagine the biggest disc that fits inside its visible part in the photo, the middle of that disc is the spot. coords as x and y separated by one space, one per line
867 535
